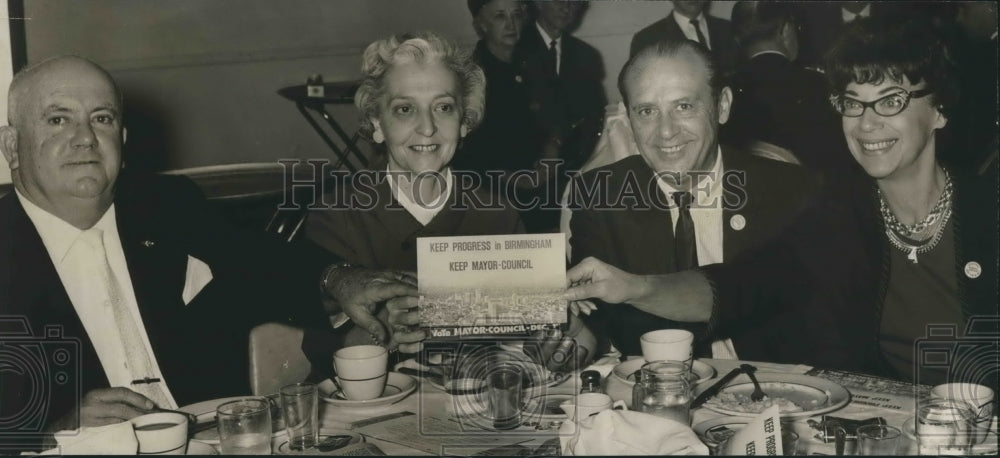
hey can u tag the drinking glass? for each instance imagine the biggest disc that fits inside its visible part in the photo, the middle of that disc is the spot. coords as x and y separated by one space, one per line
505 385
944 427
878 440
664 390
300 408
245 427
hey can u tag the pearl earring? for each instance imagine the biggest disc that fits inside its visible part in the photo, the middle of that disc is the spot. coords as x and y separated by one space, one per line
378 137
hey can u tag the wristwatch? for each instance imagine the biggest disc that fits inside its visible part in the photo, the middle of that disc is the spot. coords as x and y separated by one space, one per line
324 281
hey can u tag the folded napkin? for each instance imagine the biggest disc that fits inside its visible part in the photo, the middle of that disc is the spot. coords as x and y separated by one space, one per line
116 439
617 432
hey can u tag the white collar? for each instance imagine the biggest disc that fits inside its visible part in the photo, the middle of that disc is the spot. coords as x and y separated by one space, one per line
546 38
848 16
57 235
685 21
715 175
422 212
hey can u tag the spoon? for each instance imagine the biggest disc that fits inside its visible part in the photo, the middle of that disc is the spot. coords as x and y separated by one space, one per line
758 394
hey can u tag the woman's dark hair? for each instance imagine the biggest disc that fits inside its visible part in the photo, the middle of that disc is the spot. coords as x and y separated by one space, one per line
871 50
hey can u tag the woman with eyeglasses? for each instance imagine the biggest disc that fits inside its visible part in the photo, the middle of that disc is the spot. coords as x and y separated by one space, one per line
884 260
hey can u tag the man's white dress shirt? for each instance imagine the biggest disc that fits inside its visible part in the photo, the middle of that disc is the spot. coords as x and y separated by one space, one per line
548 41
684 23
848 16
706 214
59 238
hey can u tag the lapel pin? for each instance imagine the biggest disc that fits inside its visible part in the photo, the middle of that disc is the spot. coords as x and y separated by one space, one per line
973 269
518 78
148 243
737 222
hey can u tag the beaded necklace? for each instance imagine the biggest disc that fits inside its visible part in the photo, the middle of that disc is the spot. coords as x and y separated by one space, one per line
900 234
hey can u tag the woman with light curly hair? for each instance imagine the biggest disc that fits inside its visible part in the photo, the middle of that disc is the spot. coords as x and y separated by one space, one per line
419 97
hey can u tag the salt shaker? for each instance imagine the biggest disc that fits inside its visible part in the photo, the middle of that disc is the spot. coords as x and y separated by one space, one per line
590 382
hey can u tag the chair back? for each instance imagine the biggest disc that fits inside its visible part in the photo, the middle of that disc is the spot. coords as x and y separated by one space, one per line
276 358
287 223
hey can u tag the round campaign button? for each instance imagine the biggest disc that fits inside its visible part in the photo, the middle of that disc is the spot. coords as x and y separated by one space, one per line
738 222
973 269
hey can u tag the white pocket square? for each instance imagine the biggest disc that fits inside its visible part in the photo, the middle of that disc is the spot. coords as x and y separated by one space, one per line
198 275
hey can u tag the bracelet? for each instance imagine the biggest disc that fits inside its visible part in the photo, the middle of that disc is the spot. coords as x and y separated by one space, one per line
324 282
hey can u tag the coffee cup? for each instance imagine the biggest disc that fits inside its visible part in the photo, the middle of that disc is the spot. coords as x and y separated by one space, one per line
361 371
978 397
667 345
161 433
587 404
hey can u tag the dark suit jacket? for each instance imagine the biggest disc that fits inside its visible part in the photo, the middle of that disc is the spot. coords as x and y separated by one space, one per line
720 38
201 347
507 139
829 274
385 236
780 102
641 241
572 105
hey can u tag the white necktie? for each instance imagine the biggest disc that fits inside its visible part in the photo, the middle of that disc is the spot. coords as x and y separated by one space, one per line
137 359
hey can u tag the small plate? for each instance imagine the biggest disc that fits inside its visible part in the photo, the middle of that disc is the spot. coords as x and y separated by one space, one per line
197 447
626 371
205 412
547 406
397 387
813 395
990 446
326 435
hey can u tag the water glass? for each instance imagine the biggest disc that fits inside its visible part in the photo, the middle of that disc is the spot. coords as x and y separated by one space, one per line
789 442
245 427
944 427
878 440
504 386
300 409
664 390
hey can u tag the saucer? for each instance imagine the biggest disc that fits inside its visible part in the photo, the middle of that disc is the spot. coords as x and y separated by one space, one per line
325 437
205 412
987 447
397 387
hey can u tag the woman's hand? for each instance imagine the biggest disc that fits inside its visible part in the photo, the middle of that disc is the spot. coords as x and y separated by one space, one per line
358 291
403 320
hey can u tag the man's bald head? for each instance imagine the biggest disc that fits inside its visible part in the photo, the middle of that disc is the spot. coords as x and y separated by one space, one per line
64 141
25 80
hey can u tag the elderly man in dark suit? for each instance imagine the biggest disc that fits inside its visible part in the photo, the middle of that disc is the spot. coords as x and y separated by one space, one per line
690 20
684 201
564 77
152 294
780 107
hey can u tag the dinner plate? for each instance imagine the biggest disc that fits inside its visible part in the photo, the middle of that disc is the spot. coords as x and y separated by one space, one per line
397 387
813 395
205 412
